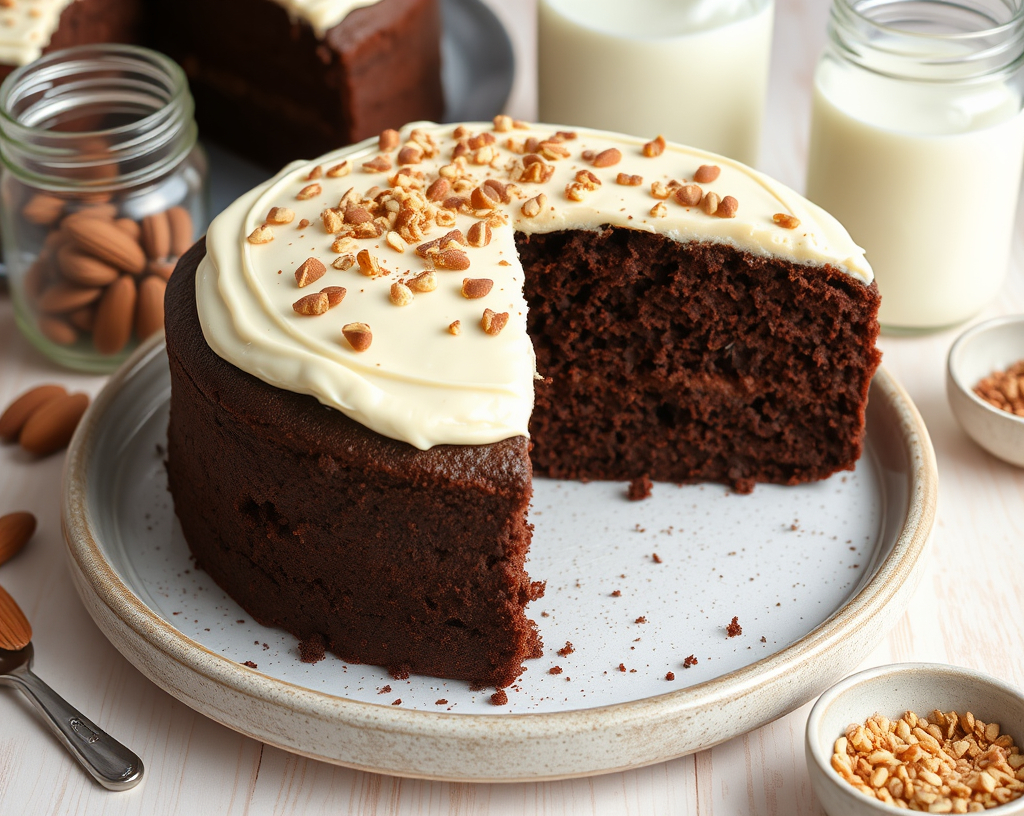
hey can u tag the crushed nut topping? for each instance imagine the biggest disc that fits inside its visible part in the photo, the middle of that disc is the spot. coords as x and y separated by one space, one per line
315 173
358 335
947 763
727 208
629 181
309 191
388 140
1004 389
424 282
369 265
786 221
380 164
655 147
280 215
309 271
455 327
395 241
315 304
339 170
410 154
532 207
474 288
502 123
659 210
492 322
332 220
707 173
343 262
452 259
347 245
660 190
335 295
261 235
438 189
401 295
479 234
710 203
607 158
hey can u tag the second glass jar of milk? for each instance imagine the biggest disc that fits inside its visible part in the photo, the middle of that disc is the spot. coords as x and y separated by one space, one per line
917 140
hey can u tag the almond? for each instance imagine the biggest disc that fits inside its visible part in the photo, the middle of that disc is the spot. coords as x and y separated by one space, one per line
707 173
106 242
314 304
388 139
129 226
335 295
358 335
15 531
492 322
57 331
424 282
149 308
43 209
15 631
280 216
309 270
115 316
83 269
63 297
156 235
83 319
182 230
51 426
14 418
474 288
607 158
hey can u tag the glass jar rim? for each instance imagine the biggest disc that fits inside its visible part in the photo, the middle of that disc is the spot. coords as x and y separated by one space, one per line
167 132
854 7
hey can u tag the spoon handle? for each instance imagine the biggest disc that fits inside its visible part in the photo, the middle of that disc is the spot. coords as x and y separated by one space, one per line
110 763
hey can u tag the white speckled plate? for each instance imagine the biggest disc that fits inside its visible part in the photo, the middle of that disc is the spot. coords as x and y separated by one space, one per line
815 575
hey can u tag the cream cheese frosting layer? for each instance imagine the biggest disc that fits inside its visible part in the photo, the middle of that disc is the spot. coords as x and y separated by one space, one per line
419 381
322 15
26 27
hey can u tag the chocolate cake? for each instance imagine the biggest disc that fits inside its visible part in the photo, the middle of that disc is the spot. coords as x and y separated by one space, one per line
356 350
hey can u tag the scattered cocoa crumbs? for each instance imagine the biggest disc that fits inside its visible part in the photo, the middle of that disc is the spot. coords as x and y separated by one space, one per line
385 690
566 650
617 593
397 702
670 675
641 619
656 557
734 628
442 701
555 670
499 697
690 661
622 667
312 649
639 488
250 664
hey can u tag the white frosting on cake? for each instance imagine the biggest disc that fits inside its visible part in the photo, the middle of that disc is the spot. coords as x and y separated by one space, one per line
322 15
26 27
418 382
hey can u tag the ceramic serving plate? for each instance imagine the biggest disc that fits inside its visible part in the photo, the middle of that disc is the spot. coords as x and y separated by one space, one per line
815 576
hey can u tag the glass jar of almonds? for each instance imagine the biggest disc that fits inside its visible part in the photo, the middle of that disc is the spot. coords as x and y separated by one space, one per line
103 187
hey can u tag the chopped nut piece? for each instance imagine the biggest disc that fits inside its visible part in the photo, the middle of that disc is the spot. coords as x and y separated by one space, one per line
314 304
368 263
332 220
261 235
453 259
401 295
380 164
335 295
410 154
727 207
280 215
533 206
519 124
394 240
484 198
438 189
345 245
302 224
607 158
309 191
710 203
343 262
474 288
358 335
424 282
659 210
660 190
492 322
309 270
357 215
315 173
388 140
574 191
339 170
707 173
786 221
479 234
455 327
655 148
629 181
689 195
502 123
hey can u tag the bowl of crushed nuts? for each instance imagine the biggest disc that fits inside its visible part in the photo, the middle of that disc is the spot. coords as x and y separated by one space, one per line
985 386
917 736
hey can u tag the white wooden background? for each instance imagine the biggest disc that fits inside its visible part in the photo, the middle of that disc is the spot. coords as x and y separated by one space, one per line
967 611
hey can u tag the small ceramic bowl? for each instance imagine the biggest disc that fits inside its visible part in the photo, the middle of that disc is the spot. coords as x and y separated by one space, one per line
892 691
990 346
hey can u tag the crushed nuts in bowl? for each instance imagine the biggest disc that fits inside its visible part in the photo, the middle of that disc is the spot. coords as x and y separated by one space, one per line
924 737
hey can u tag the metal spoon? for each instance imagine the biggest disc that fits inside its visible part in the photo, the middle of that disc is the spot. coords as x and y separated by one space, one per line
107 760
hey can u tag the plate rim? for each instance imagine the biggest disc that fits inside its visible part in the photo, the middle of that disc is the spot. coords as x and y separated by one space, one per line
899 571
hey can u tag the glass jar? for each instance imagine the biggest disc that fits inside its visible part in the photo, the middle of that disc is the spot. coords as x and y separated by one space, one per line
103 187
917 140
695 71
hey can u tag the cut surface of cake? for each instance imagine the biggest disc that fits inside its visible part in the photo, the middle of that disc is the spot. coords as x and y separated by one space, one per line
356 351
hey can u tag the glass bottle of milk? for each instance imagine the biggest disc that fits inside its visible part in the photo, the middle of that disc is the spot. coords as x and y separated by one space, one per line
695 71
917 140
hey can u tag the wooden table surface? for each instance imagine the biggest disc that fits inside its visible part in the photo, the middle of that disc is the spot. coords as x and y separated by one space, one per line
967 610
